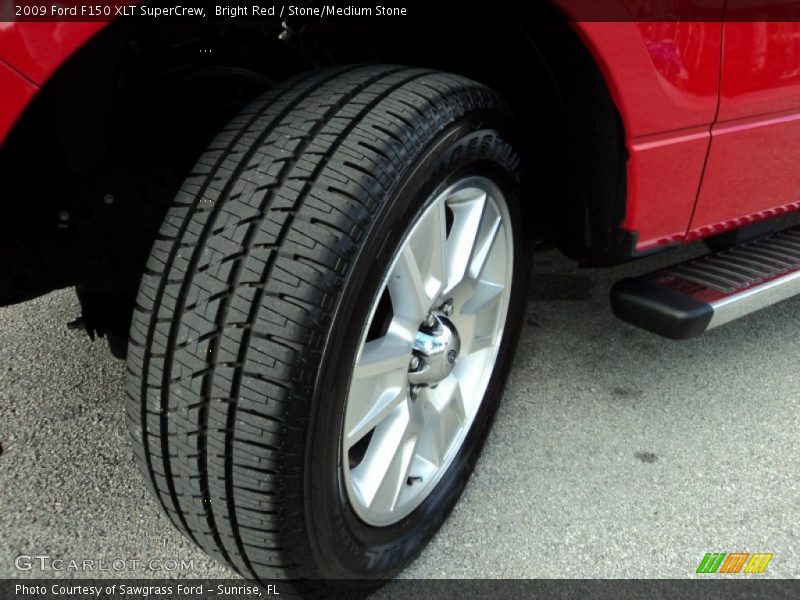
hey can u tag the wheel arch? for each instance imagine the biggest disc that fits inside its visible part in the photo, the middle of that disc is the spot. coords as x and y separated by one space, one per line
95 111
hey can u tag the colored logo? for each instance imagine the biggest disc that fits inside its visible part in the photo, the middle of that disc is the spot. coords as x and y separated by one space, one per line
734 562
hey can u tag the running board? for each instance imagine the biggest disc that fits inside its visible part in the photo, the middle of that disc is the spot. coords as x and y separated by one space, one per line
686 300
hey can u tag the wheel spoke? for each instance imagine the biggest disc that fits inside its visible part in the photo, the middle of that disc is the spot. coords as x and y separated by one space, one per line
485 242
419 274
477 317
384 471
444 418
379 384
396 477
476 224
467 207
406 285
430 246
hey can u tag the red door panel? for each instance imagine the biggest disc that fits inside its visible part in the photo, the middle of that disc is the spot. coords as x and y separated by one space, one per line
661 60
665 79
752 170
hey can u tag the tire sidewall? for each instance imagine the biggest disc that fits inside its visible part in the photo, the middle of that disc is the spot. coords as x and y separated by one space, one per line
344 546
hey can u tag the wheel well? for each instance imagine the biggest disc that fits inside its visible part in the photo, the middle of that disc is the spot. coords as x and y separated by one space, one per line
91 166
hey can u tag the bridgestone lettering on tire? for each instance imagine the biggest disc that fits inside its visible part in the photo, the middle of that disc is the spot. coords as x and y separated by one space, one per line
258 295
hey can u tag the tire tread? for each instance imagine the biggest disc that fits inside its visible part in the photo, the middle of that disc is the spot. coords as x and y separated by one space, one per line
240 291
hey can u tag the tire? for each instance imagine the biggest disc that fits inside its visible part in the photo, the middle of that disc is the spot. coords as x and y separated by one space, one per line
254 304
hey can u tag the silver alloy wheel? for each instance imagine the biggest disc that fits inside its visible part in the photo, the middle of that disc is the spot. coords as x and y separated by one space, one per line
428 351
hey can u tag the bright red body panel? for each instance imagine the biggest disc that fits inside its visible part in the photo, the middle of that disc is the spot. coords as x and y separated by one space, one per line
34 50
664 77
752 172
711 111
38 48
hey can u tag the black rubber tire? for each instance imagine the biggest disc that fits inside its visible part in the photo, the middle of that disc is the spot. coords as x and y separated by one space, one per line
249 314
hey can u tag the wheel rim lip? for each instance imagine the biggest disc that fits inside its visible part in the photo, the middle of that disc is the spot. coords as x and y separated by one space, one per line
497 197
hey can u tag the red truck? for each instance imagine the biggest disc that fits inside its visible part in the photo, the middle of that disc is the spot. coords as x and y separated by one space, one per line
310 237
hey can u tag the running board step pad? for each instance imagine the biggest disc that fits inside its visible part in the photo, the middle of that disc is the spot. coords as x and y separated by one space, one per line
686 300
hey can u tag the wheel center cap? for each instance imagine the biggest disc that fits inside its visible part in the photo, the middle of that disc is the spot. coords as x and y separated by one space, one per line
438 346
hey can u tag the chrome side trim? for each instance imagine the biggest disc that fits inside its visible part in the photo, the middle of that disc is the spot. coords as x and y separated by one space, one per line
753 299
